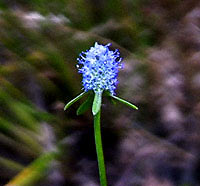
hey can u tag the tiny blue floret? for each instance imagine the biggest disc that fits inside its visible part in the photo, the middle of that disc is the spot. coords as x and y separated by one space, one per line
99 66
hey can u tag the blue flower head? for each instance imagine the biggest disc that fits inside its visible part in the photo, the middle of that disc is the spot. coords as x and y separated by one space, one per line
99 66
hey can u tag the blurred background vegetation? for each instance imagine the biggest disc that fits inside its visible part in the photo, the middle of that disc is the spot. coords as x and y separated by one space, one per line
41 145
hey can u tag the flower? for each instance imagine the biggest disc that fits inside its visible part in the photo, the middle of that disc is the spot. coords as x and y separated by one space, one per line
99 67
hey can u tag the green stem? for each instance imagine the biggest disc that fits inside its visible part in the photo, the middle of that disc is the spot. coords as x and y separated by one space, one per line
99 149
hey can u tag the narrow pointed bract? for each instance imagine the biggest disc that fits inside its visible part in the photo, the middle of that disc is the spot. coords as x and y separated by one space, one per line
74 100
125 102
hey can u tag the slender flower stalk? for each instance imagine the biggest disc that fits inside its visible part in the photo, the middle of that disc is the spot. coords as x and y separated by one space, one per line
99 149
99 67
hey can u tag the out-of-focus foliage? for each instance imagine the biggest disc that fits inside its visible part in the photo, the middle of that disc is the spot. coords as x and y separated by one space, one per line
40 144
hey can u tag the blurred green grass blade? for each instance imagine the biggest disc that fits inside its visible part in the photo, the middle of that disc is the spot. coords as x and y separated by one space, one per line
39 114
20 134
25 118
34 172
29 139
125 102
57 62
18 111
5 126
10 164
13 91
96 103
74 100
85 105
17 146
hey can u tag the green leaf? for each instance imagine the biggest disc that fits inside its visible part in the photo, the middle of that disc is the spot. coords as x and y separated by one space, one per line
74 100
85 105
96 103
124 102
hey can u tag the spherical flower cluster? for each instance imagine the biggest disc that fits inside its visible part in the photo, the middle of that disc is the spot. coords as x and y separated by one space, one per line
99 67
